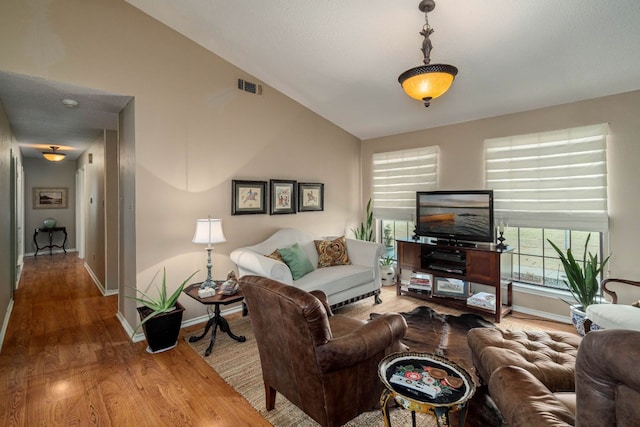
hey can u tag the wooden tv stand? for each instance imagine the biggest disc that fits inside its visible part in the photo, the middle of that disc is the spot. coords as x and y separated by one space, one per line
482 265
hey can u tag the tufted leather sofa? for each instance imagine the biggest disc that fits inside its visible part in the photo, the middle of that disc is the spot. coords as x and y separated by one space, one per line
548 355
324 364
607 387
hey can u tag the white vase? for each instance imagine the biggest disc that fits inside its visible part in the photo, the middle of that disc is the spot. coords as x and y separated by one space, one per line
577 317
388 275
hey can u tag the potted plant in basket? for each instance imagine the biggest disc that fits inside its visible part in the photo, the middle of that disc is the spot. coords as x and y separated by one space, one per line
582 280
161 316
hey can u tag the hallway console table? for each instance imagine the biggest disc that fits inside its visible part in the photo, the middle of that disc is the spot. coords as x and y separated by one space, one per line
50 232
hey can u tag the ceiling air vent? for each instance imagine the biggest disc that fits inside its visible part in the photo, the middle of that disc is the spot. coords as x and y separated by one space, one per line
250 87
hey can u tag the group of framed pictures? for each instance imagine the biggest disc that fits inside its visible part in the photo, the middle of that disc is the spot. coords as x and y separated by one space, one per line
285 197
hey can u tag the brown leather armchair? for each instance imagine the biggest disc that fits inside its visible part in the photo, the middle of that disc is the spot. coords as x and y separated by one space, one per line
607 387
324 364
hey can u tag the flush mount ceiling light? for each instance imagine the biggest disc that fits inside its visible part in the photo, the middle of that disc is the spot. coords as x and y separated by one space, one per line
53 155
70 103
428 81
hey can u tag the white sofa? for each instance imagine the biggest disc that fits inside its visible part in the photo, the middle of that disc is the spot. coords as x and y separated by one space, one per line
341 283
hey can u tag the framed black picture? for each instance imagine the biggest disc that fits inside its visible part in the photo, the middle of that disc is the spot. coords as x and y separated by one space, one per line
283 196
49 198
310 197
248 197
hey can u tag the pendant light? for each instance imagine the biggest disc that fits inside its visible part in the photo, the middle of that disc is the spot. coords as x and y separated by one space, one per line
53 155
428 81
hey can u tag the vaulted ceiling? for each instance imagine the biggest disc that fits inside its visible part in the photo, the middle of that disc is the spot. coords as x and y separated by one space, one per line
342 59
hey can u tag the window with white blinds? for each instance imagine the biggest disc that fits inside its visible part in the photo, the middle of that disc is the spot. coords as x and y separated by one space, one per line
553 179
397 175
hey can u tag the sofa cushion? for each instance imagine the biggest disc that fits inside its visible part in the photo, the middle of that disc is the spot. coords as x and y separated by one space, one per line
335 279
332 252
297 261
275 255
549 355
614 316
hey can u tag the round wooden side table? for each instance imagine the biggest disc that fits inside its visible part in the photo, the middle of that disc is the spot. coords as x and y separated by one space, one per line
425 383
215 319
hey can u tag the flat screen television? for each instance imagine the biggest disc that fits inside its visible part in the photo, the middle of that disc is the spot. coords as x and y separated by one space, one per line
455 217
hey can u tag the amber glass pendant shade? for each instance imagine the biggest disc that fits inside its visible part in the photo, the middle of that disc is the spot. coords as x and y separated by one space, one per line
428 81
53 155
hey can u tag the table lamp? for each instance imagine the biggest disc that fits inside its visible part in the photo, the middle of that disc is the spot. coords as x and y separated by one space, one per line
208 231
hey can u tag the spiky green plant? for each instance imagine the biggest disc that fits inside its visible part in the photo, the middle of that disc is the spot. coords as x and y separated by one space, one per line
365 230
582 278
388 238
161 303
386 261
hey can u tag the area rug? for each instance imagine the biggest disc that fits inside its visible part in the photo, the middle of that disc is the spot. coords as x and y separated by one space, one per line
429 331
446 335
442 334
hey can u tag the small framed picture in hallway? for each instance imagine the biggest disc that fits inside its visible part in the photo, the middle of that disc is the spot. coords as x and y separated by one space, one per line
49 198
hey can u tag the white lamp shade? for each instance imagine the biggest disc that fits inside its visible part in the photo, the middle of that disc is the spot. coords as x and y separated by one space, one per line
209 231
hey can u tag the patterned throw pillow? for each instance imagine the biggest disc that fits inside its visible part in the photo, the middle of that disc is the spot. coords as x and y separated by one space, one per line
275 255
332 252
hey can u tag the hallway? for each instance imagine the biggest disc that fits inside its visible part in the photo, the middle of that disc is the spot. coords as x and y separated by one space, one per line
66 360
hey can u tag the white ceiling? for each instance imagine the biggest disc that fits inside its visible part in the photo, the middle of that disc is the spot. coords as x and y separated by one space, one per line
39 120
342 58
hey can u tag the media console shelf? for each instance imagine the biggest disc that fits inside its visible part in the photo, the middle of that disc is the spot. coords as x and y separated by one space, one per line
473 265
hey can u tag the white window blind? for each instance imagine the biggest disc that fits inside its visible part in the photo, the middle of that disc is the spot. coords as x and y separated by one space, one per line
397 175
554 179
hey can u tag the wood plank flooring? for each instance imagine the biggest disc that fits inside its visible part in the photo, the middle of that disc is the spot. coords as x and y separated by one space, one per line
66 361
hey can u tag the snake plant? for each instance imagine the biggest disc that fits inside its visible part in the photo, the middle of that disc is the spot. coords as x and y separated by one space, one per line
582 278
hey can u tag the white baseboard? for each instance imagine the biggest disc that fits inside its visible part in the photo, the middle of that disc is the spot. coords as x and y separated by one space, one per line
200 319
46 252
205 318
95 279
5 324
128 329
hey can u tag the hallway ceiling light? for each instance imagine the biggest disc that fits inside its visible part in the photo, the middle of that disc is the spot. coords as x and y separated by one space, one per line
428 81
53 155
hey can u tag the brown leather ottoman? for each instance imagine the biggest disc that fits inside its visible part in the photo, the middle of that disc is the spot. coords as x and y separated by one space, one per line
550 356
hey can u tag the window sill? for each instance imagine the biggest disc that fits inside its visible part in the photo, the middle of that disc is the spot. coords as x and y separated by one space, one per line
542 292
526 288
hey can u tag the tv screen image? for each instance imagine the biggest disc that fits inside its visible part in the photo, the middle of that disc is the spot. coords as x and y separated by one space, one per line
455 215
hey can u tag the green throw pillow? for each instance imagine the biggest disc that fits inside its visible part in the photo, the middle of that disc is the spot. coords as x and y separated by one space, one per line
296 260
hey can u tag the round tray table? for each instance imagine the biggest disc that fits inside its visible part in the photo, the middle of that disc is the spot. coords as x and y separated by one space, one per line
425 383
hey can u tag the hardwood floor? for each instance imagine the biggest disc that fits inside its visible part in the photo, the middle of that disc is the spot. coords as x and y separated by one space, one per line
66 360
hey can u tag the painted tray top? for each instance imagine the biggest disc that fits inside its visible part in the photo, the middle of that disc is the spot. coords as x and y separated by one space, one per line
426 378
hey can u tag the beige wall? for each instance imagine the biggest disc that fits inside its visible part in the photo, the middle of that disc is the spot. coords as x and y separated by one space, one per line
194 132
462 165
93 207
6 285
112 211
